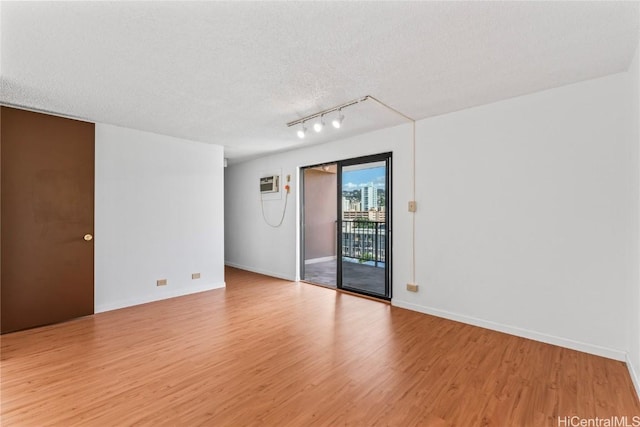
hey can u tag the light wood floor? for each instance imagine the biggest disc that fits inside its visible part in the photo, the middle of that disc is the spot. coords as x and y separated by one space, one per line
269 352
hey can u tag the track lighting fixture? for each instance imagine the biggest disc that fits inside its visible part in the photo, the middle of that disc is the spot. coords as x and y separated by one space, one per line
302 132
319 125
337 122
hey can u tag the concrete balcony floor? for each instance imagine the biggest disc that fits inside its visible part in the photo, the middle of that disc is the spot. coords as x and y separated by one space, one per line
354 276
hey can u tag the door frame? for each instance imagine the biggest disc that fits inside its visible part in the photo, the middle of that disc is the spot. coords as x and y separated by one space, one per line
387 158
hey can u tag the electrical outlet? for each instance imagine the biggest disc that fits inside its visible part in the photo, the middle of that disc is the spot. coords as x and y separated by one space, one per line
413 206
412 287
161 282
195 276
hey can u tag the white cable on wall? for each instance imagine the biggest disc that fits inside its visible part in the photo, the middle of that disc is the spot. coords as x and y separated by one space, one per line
413 180
284 208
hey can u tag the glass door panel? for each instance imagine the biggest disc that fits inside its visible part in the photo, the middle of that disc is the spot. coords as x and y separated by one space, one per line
363 225
319 222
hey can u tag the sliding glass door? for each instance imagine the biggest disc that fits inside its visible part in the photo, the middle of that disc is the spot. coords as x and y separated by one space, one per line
319 237
364 219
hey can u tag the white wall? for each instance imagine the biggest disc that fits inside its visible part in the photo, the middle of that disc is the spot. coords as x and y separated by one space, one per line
158 215
524 219
634 298
529 214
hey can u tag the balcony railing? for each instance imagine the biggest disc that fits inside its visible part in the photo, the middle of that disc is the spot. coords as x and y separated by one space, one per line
364 241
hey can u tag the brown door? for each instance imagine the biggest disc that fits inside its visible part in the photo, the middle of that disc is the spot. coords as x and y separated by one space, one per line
47 183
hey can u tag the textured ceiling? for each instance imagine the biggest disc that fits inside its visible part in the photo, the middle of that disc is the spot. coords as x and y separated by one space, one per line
234 73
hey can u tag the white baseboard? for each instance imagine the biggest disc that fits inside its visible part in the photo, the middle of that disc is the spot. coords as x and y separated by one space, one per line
525 333
317 260
114 305
635 375
260 271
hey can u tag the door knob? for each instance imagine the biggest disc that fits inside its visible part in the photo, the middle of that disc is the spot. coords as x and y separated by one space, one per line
88 237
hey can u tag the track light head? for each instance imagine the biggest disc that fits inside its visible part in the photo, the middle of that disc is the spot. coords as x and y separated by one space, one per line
337 122
302 132
317 126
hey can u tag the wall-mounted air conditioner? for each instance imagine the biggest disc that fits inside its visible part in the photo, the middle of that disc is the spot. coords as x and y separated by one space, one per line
270 184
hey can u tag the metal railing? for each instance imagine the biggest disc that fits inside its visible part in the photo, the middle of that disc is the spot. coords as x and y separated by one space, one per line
364 241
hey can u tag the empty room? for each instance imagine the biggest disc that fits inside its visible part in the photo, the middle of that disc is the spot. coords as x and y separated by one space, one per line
320 213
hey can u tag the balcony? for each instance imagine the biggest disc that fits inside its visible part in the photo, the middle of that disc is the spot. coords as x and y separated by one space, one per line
363 259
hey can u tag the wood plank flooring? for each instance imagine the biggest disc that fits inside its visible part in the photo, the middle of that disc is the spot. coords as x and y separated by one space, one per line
269 352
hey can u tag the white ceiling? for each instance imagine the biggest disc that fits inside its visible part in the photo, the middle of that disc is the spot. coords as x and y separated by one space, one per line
234 73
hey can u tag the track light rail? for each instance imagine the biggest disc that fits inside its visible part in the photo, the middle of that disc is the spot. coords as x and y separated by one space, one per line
344 105
327 111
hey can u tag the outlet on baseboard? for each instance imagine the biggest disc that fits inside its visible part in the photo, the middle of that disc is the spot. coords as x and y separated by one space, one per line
161 282
412 287
195 276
